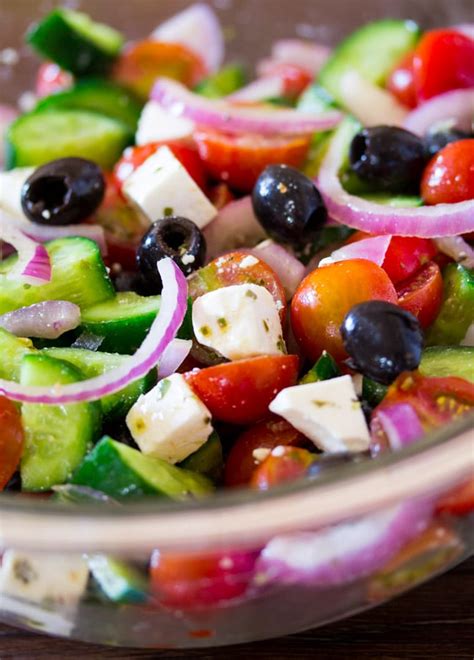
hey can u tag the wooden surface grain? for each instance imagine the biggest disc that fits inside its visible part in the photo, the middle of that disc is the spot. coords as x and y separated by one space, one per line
433 622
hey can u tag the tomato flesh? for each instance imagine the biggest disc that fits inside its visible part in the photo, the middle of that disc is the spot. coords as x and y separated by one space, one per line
51 79
422 294
282 465
240 392
449 176
458 501
12 440
401 83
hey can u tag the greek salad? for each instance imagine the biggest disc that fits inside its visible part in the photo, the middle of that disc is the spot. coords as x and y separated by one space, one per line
210 282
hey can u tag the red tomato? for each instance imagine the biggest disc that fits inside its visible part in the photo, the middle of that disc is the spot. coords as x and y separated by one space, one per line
283 464
458 501
326 295
12 439
422 294
401 84
241 462
449 176
240 392
227 271
189 581
133 157
295 79
51 79
239 159
140 63
443 60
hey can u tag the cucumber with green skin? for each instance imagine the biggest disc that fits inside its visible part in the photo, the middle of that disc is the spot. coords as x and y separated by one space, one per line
324 369
224 82
457 310
445 361
119 581
207 460
12 351
78 275
75 42
56 437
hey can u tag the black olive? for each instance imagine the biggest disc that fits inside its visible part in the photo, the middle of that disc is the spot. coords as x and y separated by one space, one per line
382 340
63 192
174 237
288 205
388 158
326 462
436 141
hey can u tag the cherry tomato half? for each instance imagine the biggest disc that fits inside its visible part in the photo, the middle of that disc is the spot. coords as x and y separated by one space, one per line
443 60
51 79
240 392
283 464
241 462
12 439
401 83
326 295
238 160
422 294
449 176
458 501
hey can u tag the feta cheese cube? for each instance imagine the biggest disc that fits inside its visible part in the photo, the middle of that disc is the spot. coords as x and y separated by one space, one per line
161 186
328 412
170 422
238 321
39 577
157 125
11 183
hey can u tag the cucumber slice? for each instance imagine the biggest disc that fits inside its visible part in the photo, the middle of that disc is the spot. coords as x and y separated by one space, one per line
123 472
119 581
78 275
444 361
324 369
75 42
12 351
56 437
373 51
95 363
39 137
315 99
457 310
224 82
373 392
207 460
96 95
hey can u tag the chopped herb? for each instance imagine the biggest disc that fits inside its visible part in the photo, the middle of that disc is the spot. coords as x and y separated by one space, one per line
24 571
222 322
321 404
281 344
167 211
205 330
207 420
266 326
250 294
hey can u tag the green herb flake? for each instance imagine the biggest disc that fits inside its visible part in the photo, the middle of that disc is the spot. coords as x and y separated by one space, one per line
167 211
266 326
222 323
250 294
281 345
321 404
205 330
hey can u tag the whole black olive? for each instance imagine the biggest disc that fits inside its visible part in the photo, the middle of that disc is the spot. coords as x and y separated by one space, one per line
388 158
326 462
382 340
63 192
436 141
288 205
174 237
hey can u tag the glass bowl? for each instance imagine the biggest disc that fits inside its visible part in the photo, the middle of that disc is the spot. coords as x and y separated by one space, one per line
363 533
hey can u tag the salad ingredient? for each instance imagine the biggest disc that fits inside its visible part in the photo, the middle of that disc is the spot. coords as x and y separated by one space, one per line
224 82
458 249
307 55
11 184
174 237
400 82
323 369
326 295
223 115
288 204
12 439
422 294
39 137
31 265
208 459
46 233
443 361
75 42
388 158
12 350
56 437
437 140
63 192
449 176
51 79
170 422
7 115
457 309
121 582
459 501
443 60
400 424
327 412
77 275
123 472
48 319
287 267
372 51
382 340
453 107
158 125
406 255
240 392
162 187
372 392
239 321
281 465
373 249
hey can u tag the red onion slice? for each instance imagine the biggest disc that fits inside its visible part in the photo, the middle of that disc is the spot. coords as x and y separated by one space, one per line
425 222
287 267
198 29
372 249
47 320
174 356
305 54
458 249
222 115
162 332
370 104
33 265
261 89
456 106
401 425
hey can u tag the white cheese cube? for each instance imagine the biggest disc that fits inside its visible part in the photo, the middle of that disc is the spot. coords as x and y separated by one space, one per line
39 577
170 422
11 183
327 412
161 186
157 125
238 321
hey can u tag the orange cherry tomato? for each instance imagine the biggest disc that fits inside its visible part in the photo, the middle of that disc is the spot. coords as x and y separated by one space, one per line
51 79
449 176
401 84
326 295
422 294
12 439
240 392
140 63
238 160
458 501
443 60
283 464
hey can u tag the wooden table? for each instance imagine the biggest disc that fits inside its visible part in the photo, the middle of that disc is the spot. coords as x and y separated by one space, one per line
434 622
